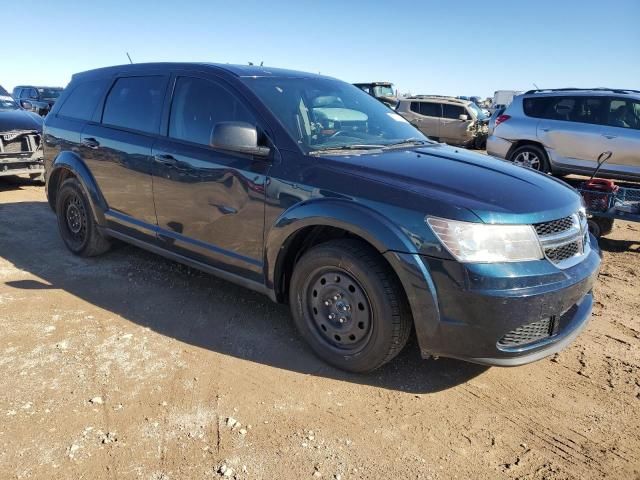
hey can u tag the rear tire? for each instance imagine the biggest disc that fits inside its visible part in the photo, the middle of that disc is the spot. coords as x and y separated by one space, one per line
531 156
349 306
600 226
77 226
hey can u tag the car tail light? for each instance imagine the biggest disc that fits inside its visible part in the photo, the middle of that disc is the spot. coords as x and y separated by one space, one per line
502 118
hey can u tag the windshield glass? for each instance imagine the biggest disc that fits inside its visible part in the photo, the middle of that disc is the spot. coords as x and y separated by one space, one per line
49 93
480 115
383 91
7 103
323 113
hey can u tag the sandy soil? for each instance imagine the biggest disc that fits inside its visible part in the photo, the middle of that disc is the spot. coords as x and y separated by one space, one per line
130 366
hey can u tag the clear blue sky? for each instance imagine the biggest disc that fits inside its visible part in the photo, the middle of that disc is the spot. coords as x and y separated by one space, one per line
456 47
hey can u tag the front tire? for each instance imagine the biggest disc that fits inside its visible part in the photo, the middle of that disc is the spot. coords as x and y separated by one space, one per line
349 306
77 226
531 156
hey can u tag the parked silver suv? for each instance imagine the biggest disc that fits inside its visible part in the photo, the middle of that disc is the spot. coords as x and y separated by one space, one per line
565 130
447 119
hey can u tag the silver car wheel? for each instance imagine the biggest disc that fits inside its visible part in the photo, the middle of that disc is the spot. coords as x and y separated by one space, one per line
527 159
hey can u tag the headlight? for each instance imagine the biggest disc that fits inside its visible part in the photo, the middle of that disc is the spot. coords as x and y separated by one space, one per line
483 243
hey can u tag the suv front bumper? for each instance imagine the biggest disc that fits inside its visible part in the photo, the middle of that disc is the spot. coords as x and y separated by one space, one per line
467 311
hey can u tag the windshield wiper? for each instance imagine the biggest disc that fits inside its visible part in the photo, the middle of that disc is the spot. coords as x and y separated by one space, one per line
411 142
349 147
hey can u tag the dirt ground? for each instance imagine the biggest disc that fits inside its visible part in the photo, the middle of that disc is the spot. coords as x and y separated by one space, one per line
130 366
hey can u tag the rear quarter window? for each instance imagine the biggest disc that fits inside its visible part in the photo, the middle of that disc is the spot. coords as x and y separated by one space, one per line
82 99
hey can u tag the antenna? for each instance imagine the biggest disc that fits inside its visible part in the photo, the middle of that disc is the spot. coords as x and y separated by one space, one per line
537 88
129 57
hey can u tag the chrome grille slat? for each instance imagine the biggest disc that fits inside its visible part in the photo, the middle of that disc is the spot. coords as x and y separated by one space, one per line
563 240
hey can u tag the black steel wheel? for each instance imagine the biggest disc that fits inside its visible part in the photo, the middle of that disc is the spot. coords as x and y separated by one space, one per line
76 223
340 309
349 306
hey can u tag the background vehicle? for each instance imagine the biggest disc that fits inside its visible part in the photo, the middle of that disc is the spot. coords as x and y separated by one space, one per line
564 131
494 116
312 192
20 136
383 91
504 97
37 99
447 119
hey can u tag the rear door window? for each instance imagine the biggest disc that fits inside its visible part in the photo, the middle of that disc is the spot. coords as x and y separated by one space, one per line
199 104
135 103
83 100
452 111
429 109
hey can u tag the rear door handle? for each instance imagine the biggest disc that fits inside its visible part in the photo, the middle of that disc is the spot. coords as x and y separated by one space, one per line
545 129
90 143
168 160
609 136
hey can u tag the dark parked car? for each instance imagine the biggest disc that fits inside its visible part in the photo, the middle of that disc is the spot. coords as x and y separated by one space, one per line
37 99
383 91
366 228
20 134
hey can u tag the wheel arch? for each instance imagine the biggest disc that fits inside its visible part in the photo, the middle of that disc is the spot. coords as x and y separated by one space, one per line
69 165
320 220
522 143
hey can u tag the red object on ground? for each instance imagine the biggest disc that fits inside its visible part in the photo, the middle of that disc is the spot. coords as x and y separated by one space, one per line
598 193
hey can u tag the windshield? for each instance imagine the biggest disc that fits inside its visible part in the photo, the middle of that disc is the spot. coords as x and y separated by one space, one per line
480 115
383 91
323 113
49 93
7 103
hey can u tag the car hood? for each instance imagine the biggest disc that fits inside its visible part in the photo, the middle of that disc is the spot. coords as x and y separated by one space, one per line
494 190
19 120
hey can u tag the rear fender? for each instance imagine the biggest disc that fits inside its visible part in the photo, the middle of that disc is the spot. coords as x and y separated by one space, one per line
69 163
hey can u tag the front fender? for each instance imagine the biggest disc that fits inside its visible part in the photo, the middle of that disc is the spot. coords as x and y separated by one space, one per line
69 164
377 230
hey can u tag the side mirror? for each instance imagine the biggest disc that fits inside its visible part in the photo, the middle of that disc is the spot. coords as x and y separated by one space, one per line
26 105
463 117
240 137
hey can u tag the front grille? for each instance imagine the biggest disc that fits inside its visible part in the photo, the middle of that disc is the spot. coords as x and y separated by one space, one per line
563 239
564 252
554 226
22 143
16 146
529 333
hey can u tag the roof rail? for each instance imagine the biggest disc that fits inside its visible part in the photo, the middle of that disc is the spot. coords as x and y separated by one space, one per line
437 96
571 89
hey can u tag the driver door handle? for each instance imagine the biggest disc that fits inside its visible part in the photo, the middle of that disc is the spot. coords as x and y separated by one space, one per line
609 136
91 142
168 160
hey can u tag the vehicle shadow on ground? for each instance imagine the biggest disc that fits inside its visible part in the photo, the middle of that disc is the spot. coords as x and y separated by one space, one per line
16 183
191 306
617 246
